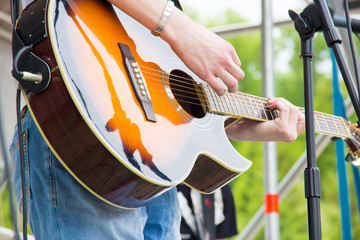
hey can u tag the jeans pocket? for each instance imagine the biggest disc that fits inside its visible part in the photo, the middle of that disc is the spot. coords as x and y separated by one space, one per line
15 156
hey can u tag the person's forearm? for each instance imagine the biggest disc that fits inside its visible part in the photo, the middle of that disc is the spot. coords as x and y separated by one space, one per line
146 12
149 12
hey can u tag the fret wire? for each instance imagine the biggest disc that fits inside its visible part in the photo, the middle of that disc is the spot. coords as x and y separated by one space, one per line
271 114
263 105
215 103
243 103
221 102
337 130
228 103
258 114
214 99
241 110
224 104
246 106
225 98
317 122
264 110
272 117
325 122
255 108
331 124
343 125
236 105
249 104
337 122
328 116
221 106
208 95
322 123
231 108
267 111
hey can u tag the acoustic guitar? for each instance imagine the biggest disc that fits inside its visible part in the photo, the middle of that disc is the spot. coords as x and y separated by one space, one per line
124 115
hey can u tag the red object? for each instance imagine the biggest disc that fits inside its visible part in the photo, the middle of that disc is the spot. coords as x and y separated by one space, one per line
208 203
271 203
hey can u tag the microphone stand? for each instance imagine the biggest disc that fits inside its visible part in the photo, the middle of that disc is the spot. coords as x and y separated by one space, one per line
316 17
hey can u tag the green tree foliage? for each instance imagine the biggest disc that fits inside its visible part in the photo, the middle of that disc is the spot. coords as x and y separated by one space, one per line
5 216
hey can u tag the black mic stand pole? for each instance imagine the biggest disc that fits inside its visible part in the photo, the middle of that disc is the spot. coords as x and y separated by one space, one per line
311 173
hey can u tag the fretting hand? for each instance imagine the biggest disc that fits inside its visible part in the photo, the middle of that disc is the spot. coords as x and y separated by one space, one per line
285 128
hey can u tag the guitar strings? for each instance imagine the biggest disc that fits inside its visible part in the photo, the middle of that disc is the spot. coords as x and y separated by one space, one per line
190 86
244 102
194 96
156 75
175 79
260 102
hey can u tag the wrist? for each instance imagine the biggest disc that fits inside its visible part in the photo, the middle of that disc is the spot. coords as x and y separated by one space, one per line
163 19
177 23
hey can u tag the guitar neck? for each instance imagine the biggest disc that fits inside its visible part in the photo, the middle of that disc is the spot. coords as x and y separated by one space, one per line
242 105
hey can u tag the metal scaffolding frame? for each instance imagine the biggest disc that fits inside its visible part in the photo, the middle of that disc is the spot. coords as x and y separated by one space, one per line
270 168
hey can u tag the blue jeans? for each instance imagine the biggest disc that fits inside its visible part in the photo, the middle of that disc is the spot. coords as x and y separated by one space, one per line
60 208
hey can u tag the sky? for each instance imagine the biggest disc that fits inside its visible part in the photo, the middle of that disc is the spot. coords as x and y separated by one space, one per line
248 9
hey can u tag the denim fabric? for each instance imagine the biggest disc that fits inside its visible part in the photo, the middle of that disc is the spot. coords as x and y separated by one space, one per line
60 208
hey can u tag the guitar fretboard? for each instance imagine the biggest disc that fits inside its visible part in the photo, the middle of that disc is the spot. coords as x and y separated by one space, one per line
242 105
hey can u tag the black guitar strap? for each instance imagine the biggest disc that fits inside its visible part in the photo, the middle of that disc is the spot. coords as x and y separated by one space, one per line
177 4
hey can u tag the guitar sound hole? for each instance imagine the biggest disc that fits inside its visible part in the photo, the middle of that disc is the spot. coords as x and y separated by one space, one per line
184 89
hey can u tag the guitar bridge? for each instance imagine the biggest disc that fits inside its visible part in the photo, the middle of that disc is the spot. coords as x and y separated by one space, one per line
138 82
